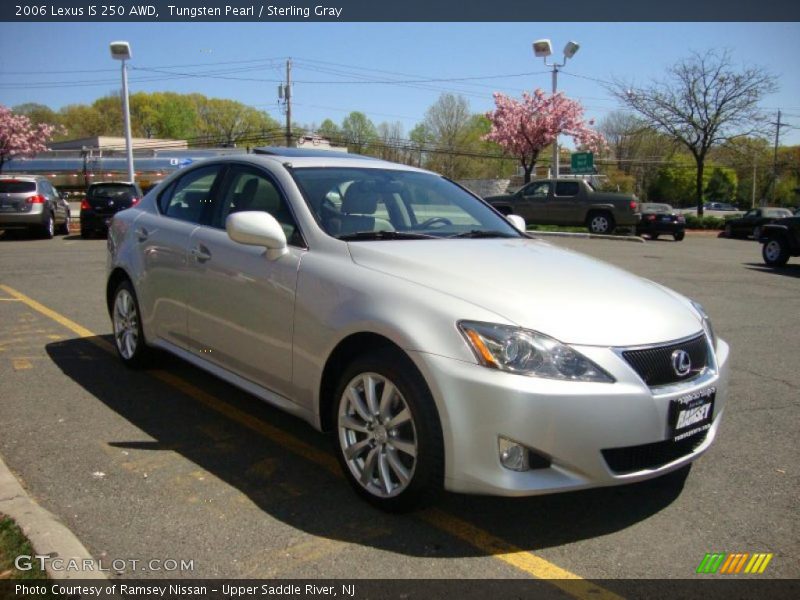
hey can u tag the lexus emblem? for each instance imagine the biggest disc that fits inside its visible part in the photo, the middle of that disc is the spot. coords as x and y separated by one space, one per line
681 363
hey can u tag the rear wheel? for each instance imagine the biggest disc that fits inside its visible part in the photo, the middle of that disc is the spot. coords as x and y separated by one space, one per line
86 234
48 227
601 223
128 333
387 433
679 235
653 236
775 252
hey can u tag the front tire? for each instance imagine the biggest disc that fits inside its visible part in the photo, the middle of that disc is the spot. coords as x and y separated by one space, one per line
127 322
601 223
387 434
64 229
775 252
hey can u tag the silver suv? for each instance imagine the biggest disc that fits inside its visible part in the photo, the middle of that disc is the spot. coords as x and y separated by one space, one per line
30 202
438 344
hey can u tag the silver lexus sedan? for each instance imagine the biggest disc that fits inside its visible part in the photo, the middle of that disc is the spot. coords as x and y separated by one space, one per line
440 346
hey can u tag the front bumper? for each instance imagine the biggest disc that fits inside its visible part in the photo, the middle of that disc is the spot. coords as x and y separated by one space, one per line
569 422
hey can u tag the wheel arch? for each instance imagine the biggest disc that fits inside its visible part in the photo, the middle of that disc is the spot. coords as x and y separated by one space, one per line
346 350
117 276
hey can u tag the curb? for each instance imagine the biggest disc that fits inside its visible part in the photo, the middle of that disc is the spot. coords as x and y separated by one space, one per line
47 534
591 236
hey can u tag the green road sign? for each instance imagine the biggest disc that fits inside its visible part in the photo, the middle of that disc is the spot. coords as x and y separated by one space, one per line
582 163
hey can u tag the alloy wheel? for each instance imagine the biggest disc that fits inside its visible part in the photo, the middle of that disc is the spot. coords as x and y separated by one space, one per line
377 435
126 324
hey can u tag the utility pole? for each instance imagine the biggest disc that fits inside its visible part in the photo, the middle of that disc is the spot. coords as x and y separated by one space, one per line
753 201
288 97
778 126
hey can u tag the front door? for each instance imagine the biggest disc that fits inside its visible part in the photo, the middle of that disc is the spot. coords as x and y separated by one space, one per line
241 307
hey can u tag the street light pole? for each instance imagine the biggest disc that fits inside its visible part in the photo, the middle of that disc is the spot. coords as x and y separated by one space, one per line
543 48
122 51
555 142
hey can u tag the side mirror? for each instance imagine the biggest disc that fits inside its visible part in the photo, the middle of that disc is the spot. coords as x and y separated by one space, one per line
517 221
257 228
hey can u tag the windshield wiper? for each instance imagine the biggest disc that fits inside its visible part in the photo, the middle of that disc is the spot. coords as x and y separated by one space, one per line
384 235
482 233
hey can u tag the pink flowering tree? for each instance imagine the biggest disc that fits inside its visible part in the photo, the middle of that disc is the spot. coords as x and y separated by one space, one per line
19 137
524 128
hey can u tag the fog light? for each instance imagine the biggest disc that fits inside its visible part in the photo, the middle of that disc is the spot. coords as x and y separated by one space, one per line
513 456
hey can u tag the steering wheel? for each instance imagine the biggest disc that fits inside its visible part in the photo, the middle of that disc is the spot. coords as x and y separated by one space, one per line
433 221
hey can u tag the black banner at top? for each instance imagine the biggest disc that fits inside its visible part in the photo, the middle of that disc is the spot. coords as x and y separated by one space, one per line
267 11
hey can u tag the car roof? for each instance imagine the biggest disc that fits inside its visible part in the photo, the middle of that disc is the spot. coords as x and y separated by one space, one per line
306 158
96 183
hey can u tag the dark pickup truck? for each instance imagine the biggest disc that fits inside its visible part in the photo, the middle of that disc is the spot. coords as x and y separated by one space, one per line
575 202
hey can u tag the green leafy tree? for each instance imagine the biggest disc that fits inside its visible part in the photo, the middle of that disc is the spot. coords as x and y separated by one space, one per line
721 186
358 132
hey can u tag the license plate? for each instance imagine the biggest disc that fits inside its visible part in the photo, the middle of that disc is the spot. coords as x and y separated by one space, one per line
691 414
666 218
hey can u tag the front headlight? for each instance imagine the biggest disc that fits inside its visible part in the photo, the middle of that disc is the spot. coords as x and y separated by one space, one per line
706 324
527 352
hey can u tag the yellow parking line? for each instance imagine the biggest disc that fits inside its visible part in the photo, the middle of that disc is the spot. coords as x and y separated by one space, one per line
484 541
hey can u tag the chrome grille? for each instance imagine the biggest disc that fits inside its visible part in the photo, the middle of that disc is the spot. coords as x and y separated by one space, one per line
654 365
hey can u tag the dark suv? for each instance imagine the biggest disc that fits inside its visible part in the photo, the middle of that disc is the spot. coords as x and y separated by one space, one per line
103 201
780 239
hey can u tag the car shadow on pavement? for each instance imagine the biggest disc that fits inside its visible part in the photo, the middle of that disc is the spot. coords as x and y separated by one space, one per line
305 495
789 270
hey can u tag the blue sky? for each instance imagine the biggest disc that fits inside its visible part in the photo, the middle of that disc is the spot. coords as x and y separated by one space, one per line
39 62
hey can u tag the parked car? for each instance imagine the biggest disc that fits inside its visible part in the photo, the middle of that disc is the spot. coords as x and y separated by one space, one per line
30 202
660 218
720 206
104 200
753 220
573 202
439 345
780 240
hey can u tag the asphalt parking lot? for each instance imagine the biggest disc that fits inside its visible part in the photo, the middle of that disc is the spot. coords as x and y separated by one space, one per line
171 463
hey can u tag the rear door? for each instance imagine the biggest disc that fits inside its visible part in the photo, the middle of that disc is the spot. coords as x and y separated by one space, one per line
564 206
163 241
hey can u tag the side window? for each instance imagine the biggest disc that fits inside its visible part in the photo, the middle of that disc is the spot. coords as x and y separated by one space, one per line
248 189
567 188
537 190
191 195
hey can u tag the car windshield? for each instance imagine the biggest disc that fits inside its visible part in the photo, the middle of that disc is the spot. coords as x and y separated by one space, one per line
652 207
387 204
777 212
112 191
16 186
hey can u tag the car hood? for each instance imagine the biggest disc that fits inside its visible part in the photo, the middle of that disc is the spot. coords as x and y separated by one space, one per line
564 294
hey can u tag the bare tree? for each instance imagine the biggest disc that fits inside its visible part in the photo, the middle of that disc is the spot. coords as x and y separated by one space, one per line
703 101
447 120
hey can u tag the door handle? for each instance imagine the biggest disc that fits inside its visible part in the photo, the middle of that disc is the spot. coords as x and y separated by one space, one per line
142 234
201 253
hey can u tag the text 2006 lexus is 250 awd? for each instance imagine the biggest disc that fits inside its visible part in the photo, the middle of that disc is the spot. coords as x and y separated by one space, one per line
440 346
